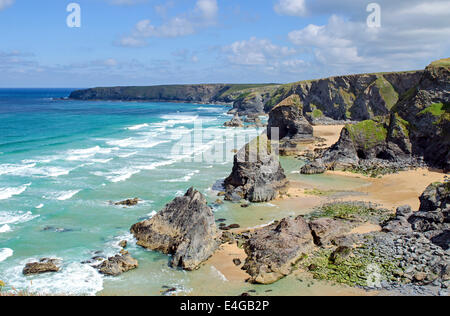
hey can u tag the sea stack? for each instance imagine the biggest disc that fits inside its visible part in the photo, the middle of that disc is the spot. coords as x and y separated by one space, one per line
257 173
185 229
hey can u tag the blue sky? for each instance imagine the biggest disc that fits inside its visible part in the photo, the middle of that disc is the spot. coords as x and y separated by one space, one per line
146 42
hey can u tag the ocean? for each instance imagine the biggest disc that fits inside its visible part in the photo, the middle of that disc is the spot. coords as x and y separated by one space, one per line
63 162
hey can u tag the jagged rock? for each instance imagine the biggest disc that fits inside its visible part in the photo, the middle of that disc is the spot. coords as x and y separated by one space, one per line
45 265
235 122
129 202
316 167
400 225
123 244
340 254
435 196
185 228
273 250
288 125
325 229
257 174
118 264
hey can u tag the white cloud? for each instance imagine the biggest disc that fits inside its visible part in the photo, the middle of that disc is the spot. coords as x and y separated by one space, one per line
5 3
255 52
291 7
203 15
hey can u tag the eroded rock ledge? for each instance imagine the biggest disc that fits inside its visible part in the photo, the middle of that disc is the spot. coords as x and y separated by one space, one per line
185 229
288 125
257 173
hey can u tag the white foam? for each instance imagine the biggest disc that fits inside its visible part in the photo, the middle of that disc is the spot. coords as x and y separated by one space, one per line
40 206
5 253
16 217
5 228
73 279
6 193
185 178
127 155
219 274
137 127
61 196
14 169
83 154
132 142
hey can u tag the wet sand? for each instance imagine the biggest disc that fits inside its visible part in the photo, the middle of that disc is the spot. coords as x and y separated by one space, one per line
394 190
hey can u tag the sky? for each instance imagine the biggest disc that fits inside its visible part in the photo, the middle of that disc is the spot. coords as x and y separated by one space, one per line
150 42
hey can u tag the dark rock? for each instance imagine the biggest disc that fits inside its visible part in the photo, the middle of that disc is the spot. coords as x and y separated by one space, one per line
273 250
45 265
185 228
235 122
325 229
237 262
234 226
123 244
118 264
129 202
316 167
288 125
340 254
257 174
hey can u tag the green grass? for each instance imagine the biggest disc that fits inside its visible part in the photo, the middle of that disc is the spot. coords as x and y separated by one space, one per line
387 91
317 113
367 133
441 63
436 109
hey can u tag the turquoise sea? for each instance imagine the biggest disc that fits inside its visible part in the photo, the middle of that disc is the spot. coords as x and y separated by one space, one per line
62 162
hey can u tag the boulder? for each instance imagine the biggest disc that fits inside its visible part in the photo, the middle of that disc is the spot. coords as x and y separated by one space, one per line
118 264
273 250
235 122
324 230
257 174
400 225
43 266
185 229
129 202
316 167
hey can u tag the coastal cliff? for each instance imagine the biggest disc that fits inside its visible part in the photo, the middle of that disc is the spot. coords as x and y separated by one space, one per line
200 93
416 131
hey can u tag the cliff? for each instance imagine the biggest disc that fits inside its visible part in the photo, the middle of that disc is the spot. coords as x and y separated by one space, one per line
416 130
201 93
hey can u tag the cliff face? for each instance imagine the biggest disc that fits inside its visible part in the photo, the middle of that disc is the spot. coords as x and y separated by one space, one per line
417 128
257 173
293 129
202 93
353 97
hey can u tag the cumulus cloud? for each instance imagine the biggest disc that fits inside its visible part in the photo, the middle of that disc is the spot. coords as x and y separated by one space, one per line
5 3
291 7
411 35
203 15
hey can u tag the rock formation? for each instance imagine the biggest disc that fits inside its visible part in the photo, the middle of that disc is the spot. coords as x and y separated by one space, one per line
129 202
43 266
235 122
432 220
185 229
118 264
274 250
257 173
416 131
288 125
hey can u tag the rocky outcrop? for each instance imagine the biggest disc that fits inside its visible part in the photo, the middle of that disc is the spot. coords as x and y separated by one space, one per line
185 229
352 97
316 167
432 220
129 202
257 173
326 229
118 264
288 125
235 122
43 266
274 250
416 131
